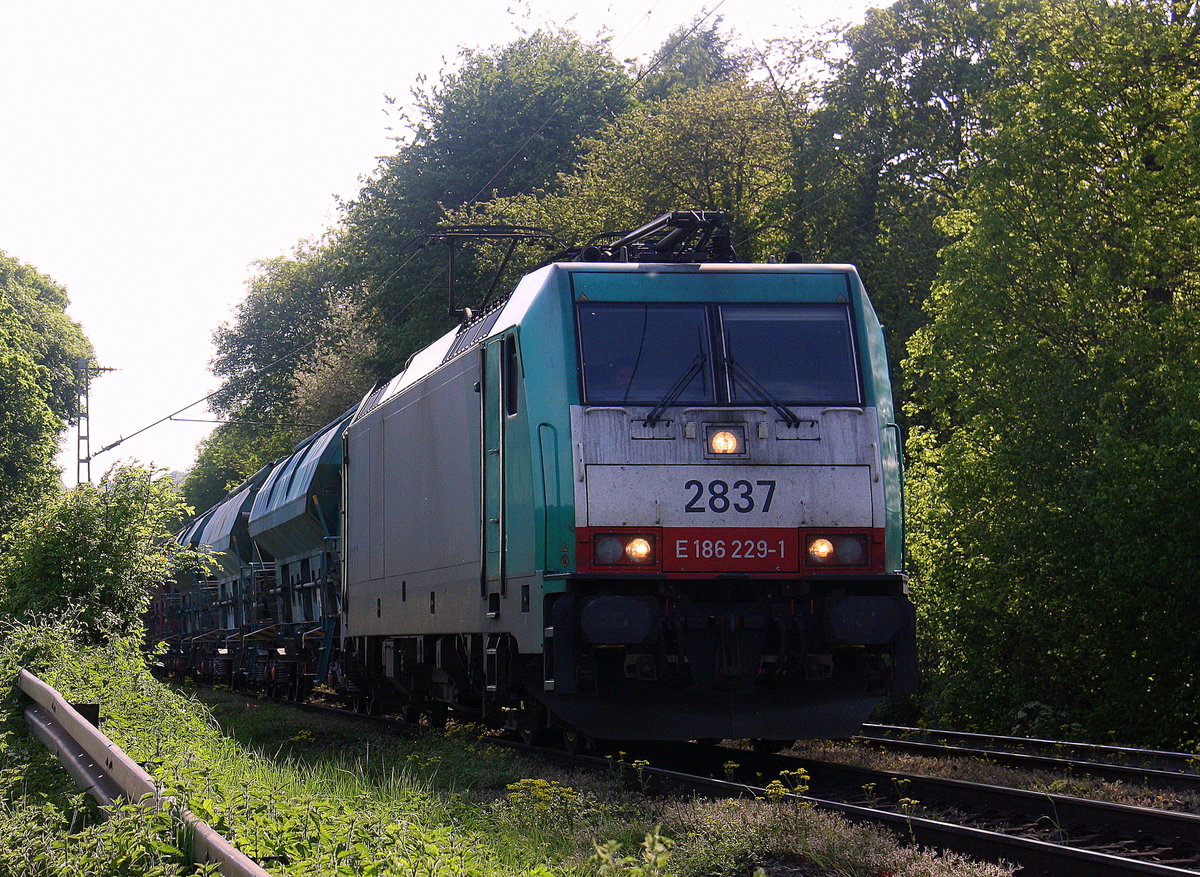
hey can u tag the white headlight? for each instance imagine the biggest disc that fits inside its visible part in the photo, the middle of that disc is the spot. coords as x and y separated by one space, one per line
820 550
724 442
609 550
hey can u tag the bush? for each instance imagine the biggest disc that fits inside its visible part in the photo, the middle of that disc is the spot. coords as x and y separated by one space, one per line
97 550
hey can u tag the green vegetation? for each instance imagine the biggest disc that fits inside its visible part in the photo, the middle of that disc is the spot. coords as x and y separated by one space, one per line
1058 394
47 828
315 795
40 350
94 553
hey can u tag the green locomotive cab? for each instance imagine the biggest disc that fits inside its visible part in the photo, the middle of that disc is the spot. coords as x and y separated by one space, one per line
734 507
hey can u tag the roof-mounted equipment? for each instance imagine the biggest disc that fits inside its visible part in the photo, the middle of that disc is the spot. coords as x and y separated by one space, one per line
679 236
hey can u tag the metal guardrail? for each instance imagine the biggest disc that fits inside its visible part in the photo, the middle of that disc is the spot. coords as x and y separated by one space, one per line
105 772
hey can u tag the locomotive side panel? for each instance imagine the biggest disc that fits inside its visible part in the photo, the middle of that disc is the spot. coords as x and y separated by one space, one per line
412 483
879 385
511 497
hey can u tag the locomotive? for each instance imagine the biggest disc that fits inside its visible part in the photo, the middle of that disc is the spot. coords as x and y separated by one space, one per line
652 493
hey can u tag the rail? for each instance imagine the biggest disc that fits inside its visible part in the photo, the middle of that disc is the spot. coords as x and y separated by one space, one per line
1168 779
105 772
1031 855
1181 762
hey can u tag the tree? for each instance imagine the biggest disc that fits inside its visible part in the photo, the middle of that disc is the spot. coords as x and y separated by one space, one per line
56 343
506 121
28 428
718 148
694 56
40 348
280 319
336 374
283 320
95 551
881 158
1052 485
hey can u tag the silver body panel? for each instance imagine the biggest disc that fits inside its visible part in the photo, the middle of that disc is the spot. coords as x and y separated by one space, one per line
412 511
826 472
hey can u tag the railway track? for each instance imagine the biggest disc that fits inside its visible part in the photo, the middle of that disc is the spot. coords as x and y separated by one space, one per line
1153 768
1180 762
1079 838
1044 834
1134 833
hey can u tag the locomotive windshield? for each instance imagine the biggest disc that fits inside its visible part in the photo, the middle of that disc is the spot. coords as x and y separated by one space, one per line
636 353
640 353
802 354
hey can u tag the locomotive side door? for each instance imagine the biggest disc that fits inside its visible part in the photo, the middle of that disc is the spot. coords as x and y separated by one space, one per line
494 394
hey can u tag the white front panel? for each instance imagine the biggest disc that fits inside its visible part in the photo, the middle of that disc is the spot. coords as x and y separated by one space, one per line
729 496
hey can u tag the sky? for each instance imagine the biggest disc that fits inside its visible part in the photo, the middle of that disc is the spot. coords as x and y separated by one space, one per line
152 150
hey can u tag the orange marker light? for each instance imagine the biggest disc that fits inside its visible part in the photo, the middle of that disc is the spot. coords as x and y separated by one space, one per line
638 550
820 550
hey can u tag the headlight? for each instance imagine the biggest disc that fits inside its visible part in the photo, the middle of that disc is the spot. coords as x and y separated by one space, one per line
820 550
609 549
622 549
837 550
639 550
724 442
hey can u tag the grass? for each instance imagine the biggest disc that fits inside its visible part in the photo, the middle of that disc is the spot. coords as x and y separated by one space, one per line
314 795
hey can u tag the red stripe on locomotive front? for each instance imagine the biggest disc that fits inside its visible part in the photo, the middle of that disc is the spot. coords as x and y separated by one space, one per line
707 551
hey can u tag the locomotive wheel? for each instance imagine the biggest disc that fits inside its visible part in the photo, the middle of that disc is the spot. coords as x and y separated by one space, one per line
574 743
533 726
536 736
362 702
302 689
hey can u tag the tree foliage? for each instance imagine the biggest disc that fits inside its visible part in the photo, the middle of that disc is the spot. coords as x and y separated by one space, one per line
279 320
55 342
879 161
95 552
28 428
506 121
40 348
694 56
717 148
1061 386
333 375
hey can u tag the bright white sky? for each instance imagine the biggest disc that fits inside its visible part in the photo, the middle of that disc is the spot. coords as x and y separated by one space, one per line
151 150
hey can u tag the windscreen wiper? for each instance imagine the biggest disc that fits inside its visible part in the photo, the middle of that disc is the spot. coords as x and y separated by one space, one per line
675 392
740 375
